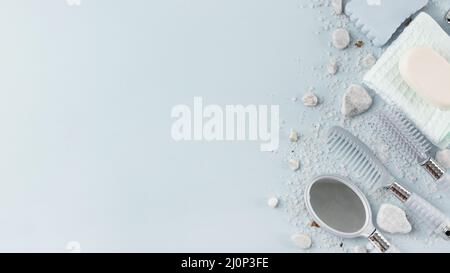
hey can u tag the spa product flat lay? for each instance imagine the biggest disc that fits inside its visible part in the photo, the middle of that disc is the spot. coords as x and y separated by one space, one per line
360 159
427 73
341 208
380 19
400 132
345 65
385 78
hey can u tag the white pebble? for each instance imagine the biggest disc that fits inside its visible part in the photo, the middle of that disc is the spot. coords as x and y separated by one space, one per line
356 101
301 240
294 164
337 6
358 249
272 202
340 38
368 61
443 157
310 99
393 219
332 66
293 136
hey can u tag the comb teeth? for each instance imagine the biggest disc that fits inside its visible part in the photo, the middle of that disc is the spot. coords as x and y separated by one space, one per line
353 155
403 134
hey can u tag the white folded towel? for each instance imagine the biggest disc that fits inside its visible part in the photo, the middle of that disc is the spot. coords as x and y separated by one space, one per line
385 79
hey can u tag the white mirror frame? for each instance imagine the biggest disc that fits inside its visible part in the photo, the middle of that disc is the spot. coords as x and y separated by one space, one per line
368 227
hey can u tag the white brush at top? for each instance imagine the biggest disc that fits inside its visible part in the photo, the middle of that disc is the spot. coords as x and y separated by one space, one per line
397 130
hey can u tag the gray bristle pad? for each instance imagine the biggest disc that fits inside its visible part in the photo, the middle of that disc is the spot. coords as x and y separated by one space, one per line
355 155
400 132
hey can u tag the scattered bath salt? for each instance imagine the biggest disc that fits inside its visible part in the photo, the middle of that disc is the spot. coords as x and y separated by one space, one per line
337 6
332 66
310 99
272 202
293 136
368 61
443 157
393 219
358 249
294 164
340 38
301 240
356 101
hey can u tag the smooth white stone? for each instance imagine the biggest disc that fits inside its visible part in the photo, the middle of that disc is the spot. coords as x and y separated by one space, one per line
301 240
368 61
356 101
272 202
310 99
340 38
393 219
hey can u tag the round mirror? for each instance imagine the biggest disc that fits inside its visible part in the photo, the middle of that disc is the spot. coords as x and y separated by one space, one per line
337 205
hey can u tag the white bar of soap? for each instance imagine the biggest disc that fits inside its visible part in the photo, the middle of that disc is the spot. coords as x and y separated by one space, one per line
428 74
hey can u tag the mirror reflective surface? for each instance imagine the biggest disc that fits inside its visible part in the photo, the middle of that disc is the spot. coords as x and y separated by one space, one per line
337 205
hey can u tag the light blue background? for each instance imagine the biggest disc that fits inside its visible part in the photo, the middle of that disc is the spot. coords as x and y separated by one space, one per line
85 98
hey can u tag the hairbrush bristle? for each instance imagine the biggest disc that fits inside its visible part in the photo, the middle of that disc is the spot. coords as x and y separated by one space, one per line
400 132
354 154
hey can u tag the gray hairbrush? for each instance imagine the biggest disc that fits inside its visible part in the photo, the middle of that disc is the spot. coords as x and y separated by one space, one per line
360 159
402 133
